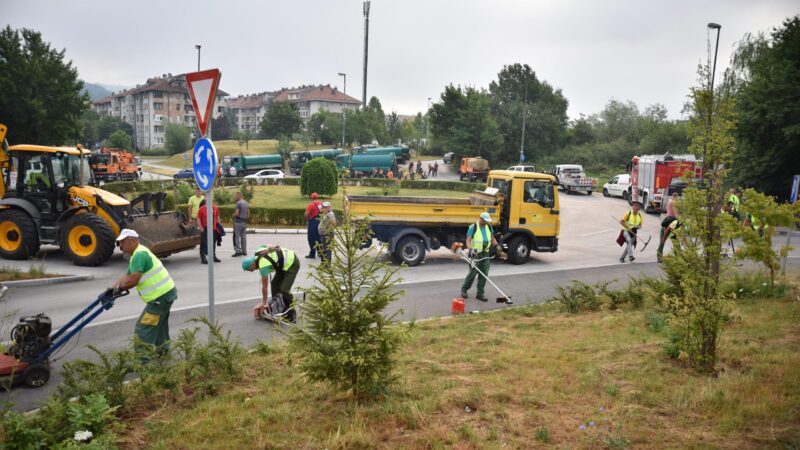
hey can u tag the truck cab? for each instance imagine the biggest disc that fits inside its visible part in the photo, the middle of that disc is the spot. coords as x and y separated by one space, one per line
523 206
473 169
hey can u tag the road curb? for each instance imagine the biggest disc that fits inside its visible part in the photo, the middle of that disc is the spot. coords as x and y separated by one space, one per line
46 281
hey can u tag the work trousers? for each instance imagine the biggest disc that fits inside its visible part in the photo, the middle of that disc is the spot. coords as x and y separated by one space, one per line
240 236
282 283
630 238
483 265
152 328
326 242
312 233
204 243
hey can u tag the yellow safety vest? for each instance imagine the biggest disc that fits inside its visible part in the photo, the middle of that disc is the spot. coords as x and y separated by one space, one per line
478 244
288 258
634 220
735 201
155 282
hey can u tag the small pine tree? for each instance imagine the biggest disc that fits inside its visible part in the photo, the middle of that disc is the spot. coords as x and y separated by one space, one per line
346 340
318 175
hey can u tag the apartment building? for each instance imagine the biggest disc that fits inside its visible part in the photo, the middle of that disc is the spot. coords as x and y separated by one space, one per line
247 111
149 107
312 99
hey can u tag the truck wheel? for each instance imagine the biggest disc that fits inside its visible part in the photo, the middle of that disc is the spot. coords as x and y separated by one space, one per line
605 193
625 195
410 250
18 236
629 198
588 192
519 250
87 240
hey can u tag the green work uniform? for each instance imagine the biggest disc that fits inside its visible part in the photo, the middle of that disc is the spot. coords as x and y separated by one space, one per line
481 243
286 268
158 291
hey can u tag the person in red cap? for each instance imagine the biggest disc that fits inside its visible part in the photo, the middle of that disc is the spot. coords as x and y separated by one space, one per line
312 217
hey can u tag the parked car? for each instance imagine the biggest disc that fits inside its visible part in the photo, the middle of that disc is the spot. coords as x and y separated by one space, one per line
530 168
265 174
183 174
618 186
447 157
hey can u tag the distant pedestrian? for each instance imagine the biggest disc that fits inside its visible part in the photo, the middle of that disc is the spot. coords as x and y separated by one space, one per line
390 174
419 167
669 229
430 170
312 224
327 228
411 169
241 213
672 205
155 287
194 206
202 221
435 168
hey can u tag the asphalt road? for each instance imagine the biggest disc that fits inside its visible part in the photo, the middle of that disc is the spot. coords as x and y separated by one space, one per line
587 252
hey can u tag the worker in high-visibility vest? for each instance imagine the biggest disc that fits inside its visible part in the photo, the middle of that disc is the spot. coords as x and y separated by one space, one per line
631 223
285 265
480 241
156 288
733 204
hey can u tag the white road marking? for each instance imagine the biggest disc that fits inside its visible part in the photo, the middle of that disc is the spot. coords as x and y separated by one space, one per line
598 232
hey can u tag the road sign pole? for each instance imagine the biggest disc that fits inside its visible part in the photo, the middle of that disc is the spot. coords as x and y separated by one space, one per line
210 253
792 200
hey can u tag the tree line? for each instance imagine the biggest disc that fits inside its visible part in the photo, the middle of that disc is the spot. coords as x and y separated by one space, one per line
40 101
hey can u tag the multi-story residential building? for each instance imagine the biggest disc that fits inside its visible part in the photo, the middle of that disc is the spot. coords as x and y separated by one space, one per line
247 111
312 99
148 108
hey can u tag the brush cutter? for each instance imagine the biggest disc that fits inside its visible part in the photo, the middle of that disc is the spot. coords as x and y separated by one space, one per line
630 229
458 248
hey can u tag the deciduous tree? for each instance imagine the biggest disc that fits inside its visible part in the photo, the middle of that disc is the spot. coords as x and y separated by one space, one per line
281 119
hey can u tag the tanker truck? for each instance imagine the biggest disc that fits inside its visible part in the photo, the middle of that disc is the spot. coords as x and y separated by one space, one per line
360 165
401 153
299 158
239 166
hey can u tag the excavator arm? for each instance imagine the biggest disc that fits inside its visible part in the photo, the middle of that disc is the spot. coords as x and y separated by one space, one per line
3 158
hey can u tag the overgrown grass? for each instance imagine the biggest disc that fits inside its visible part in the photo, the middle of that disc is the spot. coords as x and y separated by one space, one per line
519 378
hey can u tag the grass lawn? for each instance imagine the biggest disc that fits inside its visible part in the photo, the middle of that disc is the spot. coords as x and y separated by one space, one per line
520 378
231 147
289 196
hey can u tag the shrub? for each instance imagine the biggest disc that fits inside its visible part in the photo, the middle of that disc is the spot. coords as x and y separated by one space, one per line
346 340
19 434
183 191
222 196
247 190
579 297
318 175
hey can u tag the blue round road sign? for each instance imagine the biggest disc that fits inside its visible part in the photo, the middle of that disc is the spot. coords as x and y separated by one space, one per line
204 164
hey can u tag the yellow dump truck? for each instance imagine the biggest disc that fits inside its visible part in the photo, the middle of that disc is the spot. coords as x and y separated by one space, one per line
523 206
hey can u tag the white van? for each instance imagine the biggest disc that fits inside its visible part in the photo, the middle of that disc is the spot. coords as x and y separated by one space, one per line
530 168
619 186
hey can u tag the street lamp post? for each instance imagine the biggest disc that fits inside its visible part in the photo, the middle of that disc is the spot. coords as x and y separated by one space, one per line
714 26
427 120
344 119
197 46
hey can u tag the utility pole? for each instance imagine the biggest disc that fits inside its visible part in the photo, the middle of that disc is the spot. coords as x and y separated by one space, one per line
366 50
344 111
524 116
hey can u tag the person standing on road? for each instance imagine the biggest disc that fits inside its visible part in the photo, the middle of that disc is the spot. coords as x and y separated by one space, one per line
435 168
480 239
631 224
312 228
241 212
285 264
202 222
194 206
156 289
327 228
672 205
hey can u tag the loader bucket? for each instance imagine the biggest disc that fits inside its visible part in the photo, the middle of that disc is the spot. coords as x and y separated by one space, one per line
165 233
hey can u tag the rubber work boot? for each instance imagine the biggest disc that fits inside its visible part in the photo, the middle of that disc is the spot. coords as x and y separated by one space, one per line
482 298
203 259
632 259
464 294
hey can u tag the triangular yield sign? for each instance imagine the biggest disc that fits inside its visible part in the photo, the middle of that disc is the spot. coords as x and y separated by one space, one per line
203 90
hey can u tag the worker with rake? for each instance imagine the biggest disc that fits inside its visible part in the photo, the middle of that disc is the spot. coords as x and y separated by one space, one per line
631 224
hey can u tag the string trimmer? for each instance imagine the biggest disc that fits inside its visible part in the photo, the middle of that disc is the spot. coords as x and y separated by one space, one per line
458 248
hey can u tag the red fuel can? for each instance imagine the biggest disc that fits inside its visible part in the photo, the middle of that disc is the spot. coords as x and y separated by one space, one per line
458 306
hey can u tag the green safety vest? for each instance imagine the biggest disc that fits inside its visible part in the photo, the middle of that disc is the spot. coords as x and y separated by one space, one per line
288 259
734 199
155 282
478 244
634 220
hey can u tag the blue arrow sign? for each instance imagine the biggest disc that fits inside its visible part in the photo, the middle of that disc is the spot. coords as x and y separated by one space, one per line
795 185
204 164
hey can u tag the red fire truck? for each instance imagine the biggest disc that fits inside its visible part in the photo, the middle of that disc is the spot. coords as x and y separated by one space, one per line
651 176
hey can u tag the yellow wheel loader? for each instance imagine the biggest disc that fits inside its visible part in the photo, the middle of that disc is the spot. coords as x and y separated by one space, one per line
46 199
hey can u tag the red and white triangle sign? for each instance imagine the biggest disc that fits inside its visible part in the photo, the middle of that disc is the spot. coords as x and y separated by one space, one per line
203 90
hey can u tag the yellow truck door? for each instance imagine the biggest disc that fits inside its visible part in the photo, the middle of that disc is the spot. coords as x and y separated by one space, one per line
533 204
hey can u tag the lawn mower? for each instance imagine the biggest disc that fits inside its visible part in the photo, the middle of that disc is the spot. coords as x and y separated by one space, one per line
28 358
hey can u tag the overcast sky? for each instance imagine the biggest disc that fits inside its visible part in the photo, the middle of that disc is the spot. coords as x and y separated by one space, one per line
644 51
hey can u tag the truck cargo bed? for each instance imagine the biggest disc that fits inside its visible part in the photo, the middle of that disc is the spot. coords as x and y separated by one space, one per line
434 210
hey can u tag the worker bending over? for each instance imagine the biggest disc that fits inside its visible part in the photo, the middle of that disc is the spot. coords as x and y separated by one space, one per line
285 264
